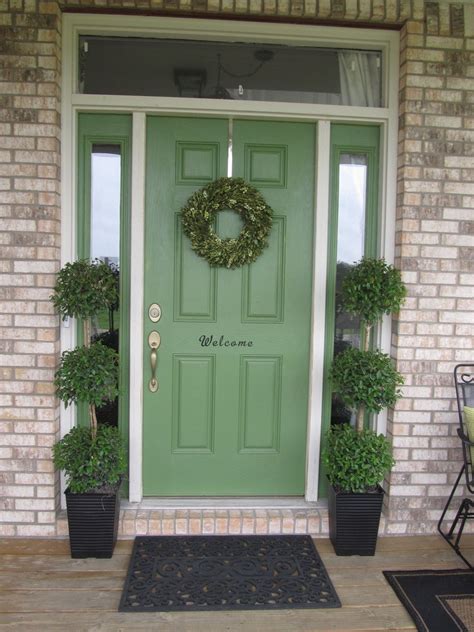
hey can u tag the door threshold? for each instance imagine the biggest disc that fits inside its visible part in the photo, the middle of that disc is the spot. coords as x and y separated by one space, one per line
224 502
214 515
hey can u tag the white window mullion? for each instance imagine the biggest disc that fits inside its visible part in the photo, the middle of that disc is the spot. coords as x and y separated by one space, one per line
68 415
318 324
136 305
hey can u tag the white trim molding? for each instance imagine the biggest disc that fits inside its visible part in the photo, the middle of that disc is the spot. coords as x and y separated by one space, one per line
318 317
137 247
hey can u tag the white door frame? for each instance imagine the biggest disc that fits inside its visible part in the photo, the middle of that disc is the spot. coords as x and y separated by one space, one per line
190 28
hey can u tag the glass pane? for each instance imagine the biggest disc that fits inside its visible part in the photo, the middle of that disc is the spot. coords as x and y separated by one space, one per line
352 202
105 245
222 70
105 202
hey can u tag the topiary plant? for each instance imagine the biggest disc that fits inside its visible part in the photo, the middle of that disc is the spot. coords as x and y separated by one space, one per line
356 461
366 380
83 289
96 464
371 289
88 373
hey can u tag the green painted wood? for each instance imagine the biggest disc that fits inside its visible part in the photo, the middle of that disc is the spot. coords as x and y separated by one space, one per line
113 129
260 410
230 415
359 140
193 420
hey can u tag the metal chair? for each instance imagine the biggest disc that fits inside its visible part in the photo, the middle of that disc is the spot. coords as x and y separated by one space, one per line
464 385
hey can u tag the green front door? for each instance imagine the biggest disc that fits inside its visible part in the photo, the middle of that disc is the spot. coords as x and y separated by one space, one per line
230 413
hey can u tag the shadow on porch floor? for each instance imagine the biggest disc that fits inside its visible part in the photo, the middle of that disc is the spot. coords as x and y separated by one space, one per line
43 589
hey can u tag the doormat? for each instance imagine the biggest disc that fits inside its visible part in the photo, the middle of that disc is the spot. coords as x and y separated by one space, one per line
228 572
437 601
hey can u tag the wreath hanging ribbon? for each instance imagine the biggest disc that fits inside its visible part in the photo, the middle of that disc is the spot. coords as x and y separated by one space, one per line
199 213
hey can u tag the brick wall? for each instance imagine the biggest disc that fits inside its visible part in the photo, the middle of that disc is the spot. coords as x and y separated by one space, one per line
434 249
434 238
29 245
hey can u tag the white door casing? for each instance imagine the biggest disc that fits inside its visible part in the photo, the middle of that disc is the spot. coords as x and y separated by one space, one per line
183 28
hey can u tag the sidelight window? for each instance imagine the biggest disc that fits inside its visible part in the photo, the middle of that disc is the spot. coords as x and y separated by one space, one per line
103 233
352 235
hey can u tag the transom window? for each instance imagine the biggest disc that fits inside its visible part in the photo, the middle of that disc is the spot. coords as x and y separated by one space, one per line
223 70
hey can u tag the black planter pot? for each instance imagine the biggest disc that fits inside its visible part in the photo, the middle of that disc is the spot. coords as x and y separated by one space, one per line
93 523
354 521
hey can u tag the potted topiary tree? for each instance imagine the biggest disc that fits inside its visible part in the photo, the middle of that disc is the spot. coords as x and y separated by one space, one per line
356 458
92 457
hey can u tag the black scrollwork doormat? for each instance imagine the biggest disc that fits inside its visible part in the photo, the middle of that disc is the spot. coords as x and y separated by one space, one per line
437 601
226 573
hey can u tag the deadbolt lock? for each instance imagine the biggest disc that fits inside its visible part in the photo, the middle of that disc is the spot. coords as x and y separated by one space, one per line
154 312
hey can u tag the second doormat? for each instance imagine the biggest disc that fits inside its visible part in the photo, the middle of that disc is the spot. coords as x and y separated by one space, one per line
438 601
255 572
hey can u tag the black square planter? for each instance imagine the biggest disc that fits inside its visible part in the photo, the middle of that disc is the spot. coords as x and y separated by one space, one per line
93 523
354 521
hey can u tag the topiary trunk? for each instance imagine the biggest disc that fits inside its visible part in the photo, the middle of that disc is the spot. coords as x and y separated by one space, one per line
360 417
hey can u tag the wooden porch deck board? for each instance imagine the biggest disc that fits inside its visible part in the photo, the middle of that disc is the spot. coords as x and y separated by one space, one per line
42 589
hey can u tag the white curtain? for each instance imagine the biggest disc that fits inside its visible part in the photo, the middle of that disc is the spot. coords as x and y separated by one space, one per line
359 84
360 79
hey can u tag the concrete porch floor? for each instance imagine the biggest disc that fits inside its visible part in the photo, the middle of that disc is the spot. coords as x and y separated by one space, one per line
43 589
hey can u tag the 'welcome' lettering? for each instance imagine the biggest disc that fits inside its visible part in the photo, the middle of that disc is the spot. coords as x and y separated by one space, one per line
222 341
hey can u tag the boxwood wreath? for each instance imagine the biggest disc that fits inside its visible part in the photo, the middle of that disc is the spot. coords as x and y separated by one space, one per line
199 213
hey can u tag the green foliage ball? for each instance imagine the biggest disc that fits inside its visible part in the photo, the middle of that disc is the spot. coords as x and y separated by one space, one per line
366 378
356 462
91 465
84 288
199 214
87 374
371 289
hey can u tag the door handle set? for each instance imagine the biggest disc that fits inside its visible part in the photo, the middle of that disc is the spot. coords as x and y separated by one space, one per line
154 341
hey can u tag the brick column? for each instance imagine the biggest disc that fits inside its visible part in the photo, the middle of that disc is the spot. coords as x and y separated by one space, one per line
30 240
435 226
